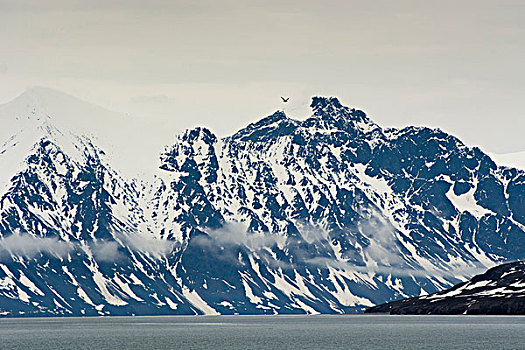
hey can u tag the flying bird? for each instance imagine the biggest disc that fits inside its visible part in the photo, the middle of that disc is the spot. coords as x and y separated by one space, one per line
285 99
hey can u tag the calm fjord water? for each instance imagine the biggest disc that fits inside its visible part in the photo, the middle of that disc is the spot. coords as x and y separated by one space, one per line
265 332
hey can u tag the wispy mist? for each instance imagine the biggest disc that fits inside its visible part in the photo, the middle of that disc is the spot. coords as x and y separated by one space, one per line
30 246
382 255
23 244
146 243
383 245
236 234
106 251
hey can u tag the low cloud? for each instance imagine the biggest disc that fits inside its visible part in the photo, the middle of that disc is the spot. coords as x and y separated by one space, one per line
383 245
146 243
26 245
236 234
30 246
406 271
382 255
106 251
311 233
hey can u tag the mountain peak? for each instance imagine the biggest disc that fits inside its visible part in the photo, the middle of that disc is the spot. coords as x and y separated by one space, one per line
199 133
329 113
39 107
319 102
125 139
42 93
41 98
61 108
276 124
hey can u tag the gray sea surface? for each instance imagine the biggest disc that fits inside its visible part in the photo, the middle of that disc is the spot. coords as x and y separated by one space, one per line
265 332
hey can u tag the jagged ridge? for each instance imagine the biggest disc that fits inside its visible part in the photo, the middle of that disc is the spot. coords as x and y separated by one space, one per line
329 214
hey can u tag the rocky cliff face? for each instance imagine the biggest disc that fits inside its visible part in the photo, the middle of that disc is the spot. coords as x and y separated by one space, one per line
499 291
330 214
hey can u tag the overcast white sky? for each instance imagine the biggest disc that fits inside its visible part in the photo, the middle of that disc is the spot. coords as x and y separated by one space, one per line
458 65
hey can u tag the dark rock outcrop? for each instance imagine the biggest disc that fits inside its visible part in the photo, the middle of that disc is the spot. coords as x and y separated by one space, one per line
499 291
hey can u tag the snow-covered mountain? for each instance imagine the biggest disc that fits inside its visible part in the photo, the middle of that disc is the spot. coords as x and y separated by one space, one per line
330 214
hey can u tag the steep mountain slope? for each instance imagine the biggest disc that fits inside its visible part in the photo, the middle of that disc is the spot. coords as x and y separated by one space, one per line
65 216
499 291
329 214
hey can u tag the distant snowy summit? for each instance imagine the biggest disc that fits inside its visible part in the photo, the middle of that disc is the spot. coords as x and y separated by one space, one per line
499 291
131 143
331 214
